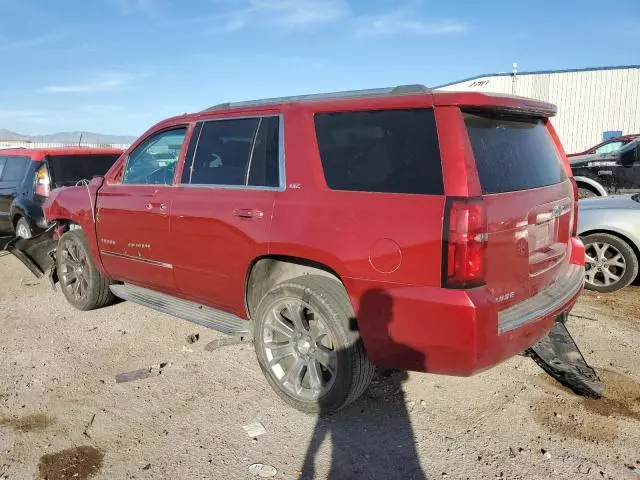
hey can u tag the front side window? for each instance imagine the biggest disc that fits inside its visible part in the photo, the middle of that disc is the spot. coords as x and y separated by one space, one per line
154 161
234 152
13 169
610 147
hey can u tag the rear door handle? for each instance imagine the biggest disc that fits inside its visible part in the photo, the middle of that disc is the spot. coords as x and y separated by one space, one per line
248 213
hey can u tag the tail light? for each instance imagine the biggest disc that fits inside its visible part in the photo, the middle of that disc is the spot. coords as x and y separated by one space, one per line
574 220
465 243
43 183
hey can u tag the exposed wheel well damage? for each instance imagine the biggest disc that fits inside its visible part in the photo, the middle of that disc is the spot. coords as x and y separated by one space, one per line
266 272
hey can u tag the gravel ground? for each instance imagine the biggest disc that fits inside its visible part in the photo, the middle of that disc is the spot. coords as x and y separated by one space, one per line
63 414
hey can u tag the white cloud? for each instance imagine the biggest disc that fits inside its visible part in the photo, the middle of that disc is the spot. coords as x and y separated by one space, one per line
404 23
28 43
102 83
300 13
23 116
130 7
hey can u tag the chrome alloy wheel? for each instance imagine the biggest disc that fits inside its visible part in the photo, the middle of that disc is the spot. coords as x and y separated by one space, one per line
604 264
299 349
74 270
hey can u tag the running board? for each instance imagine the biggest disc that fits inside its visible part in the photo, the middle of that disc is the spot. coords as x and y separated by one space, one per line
559 356
202 315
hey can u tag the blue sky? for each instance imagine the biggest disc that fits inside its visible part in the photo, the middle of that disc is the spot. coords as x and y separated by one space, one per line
118 66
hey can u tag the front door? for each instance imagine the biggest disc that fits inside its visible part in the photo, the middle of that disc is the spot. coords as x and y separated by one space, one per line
12 171
221 213
629 169
133 214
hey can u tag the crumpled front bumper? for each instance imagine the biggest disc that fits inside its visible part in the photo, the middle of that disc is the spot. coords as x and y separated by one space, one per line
36 253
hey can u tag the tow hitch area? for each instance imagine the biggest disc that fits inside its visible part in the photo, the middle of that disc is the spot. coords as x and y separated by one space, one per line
37 253
559 356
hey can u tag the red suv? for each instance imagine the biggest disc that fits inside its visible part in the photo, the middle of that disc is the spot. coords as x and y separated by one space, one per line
401 227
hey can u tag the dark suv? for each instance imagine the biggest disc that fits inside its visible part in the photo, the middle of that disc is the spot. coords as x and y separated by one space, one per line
607 173
27 176
420 230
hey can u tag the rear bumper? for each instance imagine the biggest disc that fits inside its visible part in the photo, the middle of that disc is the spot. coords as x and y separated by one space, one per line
455 332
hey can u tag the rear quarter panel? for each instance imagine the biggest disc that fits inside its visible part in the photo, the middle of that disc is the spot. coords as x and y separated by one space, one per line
375 236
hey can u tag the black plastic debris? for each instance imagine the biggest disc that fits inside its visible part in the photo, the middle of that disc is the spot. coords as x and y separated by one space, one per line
559 356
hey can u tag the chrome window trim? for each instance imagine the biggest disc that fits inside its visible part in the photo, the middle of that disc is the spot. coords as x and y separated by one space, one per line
281 158
138 259
544 302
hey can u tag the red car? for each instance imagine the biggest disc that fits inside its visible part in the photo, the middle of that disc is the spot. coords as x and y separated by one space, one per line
608 146
401 227
27 175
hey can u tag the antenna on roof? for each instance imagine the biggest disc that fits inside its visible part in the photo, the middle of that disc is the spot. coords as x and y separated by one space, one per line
80 140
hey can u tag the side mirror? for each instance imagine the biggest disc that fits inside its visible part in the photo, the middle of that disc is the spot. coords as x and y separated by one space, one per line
630 157
96 182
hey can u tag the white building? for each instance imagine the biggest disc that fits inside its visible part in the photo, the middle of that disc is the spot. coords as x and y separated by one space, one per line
593 103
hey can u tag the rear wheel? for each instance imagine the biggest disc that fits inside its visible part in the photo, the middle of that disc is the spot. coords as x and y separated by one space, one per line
610 263
307 351
23 229
584 192
82 284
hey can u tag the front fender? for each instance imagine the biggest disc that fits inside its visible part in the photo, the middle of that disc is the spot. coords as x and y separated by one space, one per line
77 205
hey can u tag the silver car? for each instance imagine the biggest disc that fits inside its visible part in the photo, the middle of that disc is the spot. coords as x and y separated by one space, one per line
610 230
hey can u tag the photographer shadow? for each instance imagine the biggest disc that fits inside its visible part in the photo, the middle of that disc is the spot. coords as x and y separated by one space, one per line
373 437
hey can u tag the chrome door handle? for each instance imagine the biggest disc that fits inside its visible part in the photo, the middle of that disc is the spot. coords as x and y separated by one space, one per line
163 207
148 206
248 213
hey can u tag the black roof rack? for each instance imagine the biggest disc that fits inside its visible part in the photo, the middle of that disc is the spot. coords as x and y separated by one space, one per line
373 92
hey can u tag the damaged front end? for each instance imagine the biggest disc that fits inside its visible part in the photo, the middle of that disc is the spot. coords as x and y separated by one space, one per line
37 253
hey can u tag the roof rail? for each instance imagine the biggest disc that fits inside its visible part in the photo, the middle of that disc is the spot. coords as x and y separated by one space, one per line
373 92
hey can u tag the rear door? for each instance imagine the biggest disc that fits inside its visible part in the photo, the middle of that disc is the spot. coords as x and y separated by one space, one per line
132 214
221 213
12 171
529 201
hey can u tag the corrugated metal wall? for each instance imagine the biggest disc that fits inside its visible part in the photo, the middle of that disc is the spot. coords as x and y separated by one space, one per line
589 102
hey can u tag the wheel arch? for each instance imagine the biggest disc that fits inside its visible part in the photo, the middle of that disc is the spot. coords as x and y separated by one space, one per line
616 233
591 185
269 270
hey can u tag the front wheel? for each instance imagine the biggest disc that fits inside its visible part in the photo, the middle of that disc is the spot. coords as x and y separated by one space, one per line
23 229
83 285
610 263
306 347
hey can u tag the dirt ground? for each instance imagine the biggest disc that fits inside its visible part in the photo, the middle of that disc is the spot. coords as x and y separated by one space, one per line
62 414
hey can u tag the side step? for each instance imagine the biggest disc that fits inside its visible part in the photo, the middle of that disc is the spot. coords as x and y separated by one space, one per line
559 356
202 315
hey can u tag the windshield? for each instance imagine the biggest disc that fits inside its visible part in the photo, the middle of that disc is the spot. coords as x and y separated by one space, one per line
67 170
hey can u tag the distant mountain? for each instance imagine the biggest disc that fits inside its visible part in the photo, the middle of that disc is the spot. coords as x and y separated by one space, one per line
8 135
66 137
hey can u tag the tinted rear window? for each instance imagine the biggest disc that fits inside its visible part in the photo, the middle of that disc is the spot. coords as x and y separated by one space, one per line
68 169
513 153
394 151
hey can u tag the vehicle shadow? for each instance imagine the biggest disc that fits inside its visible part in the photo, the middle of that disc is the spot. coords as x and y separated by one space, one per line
373 437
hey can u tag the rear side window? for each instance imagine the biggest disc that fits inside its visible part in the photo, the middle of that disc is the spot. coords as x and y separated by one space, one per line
13 169
391 151
69 169
235 152
513 153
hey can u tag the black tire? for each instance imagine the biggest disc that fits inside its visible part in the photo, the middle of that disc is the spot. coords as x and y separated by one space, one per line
23 229
596 279
90 289
326 300
584 192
